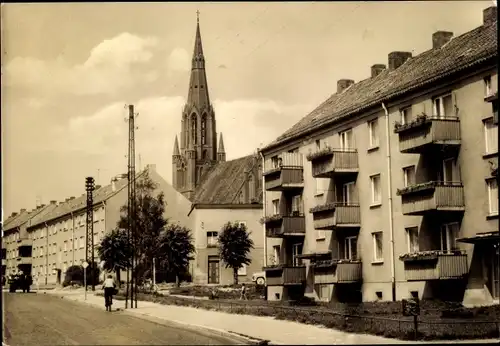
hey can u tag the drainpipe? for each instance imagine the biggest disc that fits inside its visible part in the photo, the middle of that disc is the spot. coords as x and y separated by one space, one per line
46 253
73 238
264 208
104 227
389 200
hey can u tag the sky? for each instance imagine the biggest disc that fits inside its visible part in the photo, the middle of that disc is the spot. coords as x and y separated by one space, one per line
69 69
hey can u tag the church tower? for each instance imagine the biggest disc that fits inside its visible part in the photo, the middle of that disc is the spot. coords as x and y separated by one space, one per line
198 140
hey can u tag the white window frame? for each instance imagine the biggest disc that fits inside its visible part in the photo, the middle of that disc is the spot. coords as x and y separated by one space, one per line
448 229
492 186
65 245
276 254
348 246
82 243
296 251
373 178
212 238
374 239
491 147
405 116
276 206
296 204
406 175
439 112
243 270
347 199
487 86
411 247
454 171
344 143
373 132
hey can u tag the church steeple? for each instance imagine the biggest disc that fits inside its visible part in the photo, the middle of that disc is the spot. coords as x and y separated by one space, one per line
221 152
176 147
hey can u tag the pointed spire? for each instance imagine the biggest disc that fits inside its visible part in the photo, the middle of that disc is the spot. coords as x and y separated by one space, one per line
221 145
198 88
176 147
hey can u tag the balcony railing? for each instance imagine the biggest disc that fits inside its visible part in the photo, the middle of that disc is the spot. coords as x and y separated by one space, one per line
337 272
328 162
420 199
425 131
284 173
336 214
24 260
435 265
283 275
278 226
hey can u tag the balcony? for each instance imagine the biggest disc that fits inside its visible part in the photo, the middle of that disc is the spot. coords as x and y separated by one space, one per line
432 196
23 260
435 265
336 214
285 275
328 162
24 242
284 173
426 132
278 226
337 272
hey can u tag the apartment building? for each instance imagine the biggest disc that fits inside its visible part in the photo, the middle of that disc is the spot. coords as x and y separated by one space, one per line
230 192
388 189
58 234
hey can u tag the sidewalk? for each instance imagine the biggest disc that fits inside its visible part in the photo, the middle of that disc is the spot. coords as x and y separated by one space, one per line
264 328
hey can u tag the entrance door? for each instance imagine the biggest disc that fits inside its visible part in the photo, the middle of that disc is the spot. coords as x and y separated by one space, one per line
213 270
495 275
58 276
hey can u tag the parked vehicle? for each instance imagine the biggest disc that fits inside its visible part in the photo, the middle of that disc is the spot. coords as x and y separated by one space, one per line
259 278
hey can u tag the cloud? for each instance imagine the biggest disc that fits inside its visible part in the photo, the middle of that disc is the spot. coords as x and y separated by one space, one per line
113 65
104 134
179 60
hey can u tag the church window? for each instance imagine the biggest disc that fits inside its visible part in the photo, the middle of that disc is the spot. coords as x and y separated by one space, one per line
204 154
204 129
193 128
240 197
251 187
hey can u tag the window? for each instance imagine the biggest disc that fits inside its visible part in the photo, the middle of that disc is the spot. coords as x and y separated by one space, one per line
276 254
346 140
241 198
351 248
348 191
276 206
296 205
212 239
320 235
41 251
373 131
203 129
443 106
65 246
296 251
54 248
318 145
449 233
321 185
487 86
409 176
450 171
375 185
275 161
412 239
491 136
82 242
406 115
492 196
243 270
377 247
193 129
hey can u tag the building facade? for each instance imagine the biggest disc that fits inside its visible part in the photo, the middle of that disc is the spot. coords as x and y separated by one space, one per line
374 194
57 234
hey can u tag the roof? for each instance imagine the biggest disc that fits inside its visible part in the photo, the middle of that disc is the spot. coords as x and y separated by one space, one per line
11 221
462 52
28 216
224 181
69 206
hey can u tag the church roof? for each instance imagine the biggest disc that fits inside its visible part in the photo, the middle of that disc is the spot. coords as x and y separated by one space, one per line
225 180
461 53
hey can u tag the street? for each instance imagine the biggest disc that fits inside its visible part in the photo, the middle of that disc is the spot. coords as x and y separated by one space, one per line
39 319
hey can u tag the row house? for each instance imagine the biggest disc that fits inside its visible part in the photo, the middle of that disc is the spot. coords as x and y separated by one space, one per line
388 189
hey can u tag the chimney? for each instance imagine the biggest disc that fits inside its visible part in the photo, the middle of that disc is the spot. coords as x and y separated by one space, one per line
22 211
113 184
53 202
490 15
13 214
42 205
71 198
151 167
440 38
343 84
397 59
97 187
376 69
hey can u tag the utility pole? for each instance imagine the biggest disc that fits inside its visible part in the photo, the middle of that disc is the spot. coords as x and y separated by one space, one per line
89 253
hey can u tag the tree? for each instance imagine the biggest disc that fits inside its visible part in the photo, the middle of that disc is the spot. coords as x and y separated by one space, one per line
176 248
234 247
73 274
149 224
115 251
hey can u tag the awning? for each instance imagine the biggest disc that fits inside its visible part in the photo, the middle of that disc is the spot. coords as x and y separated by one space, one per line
489 237
314 255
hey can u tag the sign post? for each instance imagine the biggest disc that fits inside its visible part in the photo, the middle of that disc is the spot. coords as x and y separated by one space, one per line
85 264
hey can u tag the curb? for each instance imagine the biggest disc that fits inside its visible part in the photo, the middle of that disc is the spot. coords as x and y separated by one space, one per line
244 339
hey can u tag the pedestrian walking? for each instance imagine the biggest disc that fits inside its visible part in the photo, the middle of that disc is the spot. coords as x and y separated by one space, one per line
243 292
109 288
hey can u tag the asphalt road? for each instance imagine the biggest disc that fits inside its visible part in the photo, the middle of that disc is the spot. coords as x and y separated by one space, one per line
36 319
